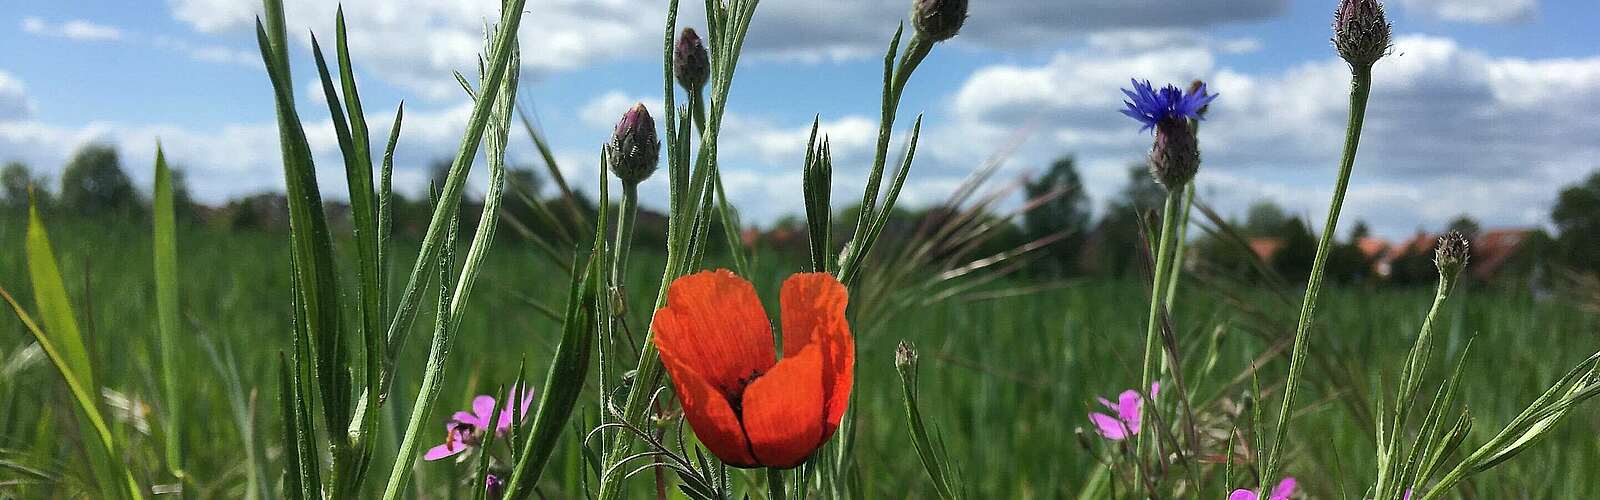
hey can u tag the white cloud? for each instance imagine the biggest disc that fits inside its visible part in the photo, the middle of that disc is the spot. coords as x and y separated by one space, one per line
14 101
208 53
1476 11
236 159
416 43
1449 129
74 29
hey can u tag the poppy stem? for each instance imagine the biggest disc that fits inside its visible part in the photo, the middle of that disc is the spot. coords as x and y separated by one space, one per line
775 484
1360 89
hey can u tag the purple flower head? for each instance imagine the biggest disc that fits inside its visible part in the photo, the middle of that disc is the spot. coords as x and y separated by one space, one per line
1151 106
494 487
1128 414
1283 491
465 429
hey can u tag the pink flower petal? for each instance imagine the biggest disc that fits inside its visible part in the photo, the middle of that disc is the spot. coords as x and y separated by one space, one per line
1130 407
1284 490
1109 426
443 451
483 407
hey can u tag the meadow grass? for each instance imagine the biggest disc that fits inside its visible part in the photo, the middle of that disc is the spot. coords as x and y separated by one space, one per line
1005 382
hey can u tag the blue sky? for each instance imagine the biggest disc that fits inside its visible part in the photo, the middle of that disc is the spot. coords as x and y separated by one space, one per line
1486 107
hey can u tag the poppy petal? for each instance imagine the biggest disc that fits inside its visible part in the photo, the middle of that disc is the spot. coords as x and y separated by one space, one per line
783 410
1243 495
714 323
813 306
709 414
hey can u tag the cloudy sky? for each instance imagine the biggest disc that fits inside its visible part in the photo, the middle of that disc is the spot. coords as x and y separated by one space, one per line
1487 107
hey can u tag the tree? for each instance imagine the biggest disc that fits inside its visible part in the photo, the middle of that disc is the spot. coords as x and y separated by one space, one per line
94 184
1359 231
1066 213
1265 218
1116 237
1293 261
15 182
1577 219
1466 226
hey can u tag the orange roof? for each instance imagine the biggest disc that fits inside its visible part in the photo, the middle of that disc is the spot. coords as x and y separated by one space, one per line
1265 248
1372 247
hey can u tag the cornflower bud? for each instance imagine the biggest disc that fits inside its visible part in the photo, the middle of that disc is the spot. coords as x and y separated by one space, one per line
1361 32
691 64
938 20
634 150
1452 254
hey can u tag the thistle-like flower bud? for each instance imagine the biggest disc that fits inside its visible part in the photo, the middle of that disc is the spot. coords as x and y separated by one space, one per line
1452 254
1361 32
634 149
494 488
1175 156
691 64
938 20
905 358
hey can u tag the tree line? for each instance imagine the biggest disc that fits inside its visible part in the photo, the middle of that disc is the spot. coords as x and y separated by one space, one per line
94 183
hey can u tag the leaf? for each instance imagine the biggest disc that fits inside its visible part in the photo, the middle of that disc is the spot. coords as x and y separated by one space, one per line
166 280
68 353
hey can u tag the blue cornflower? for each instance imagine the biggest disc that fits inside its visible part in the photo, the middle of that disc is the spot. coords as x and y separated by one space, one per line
1151 106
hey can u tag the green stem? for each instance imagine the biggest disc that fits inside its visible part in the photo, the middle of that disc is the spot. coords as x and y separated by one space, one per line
624 238
1180 245
1360 88
774 484
1163 256
915 52
1388 484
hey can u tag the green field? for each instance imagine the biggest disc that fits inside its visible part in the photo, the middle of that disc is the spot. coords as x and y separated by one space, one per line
1005 381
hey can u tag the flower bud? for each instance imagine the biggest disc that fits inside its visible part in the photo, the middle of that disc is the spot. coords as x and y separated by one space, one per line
938 20
1175 157
1452 254
905 358
1361 32
494 488
691 64
634 149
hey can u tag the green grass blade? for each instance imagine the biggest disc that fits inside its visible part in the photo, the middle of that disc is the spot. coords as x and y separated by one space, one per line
311 248
166 281
50 296
64 346
564 382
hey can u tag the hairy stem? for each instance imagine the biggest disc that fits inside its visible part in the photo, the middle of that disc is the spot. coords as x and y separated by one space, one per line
1163 256
1360 88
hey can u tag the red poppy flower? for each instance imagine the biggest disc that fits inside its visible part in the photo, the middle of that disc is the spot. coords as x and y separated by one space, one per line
746 407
